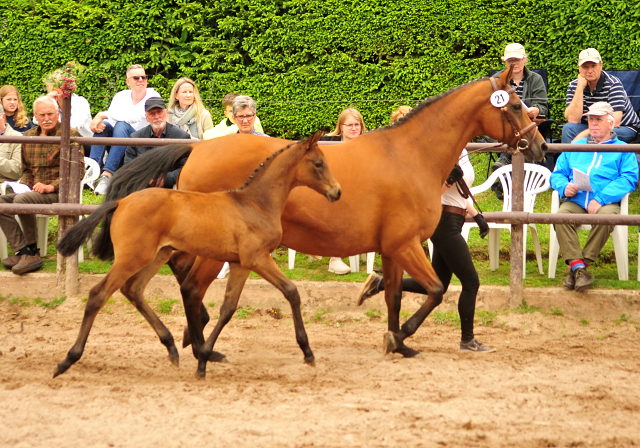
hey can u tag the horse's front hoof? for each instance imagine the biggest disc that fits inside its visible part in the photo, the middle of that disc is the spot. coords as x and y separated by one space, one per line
175 360
389 343
57 371
200 375
407 352
217 357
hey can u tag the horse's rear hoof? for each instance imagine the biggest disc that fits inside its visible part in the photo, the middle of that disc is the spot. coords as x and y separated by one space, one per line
175 360
57 371
217 357
408 352
186 338
201 375
389 343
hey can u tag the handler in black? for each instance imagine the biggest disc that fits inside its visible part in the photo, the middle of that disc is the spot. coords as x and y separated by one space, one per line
450 256
156 113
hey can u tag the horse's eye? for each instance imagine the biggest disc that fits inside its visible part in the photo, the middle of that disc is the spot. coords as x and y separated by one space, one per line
517 107
318 163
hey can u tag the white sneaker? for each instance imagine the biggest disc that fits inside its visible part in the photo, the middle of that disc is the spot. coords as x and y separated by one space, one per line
337 266
102 185
314 258
224 271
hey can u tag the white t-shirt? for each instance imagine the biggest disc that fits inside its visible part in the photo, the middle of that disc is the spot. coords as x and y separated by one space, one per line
81 115
451 196
123 109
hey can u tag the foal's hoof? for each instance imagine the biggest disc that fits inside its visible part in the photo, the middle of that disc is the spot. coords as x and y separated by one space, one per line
217 357
175 360
57 371
407 352
311 361
389 343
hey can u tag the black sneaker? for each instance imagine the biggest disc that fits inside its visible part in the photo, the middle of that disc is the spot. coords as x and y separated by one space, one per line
369 288
474 346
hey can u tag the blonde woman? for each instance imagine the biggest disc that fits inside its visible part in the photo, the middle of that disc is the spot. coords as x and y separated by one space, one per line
350 125
186 109
16 114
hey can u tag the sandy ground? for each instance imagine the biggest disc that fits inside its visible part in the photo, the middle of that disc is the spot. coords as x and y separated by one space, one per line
556 380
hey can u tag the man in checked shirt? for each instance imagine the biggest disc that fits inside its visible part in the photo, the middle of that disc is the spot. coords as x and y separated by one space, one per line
41 173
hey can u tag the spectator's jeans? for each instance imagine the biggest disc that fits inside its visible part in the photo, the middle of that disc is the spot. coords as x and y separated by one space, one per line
116 153
570 130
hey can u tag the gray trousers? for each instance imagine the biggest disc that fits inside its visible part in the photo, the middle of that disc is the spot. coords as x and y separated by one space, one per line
598 236
28 234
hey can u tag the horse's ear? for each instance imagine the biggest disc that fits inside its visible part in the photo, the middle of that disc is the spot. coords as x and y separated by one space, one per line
313 140
505 77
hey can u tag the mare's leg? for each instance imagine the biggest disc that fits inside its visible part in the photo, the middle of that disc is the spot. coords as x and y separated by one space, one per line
392 273
235 283
203 272
181 264
133 289
266 267
98 296
413 259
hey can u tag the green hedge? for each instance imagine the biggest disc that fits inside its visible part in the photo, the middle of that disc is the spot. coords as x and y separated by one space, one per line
304 61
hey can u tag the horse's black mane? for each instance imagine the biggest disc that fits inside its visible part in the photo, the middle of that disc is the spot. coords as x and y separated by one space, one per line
428 102
264 164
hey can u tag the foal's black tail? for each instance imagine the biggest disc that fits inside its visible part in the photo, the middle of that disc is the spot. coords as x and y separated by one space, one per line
78 234
150 166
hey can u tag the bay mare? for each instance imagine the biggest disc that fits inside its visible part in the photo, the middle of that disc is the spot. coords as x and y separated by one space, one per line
391 180
242 226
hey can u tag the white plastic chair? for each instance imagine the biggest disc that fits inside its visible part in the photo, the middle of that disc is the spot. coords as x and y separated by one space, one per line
92 171
536 180
354 262
620 237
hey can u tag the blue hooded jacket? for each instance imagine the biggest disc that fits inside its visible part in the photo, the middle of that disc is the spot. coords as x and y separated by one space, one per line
611 174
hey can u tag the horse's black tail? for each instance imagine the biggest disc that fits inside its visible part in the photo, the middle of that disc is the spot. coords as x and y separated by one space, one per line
79 233
152 165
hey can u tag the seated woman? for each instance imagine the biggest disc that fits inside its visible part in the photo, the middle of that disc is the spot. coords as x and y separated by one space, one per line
530 89
16 114
350 125
186 109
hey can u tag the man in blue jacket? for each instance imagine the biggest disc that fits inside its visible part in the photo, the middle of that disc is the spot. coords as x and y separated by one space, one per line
611 176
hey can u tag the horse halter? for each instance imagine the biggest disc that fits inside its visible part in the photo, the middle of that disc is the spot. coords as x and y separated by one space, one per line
518 142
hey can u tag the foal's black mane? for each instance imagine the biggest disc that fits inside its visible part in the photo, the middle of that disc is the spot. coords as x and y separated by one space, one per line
264 165
428 102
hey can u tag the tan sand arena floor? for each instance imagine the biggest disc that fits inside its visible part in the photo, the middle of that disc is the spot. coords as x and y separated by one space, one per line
554 382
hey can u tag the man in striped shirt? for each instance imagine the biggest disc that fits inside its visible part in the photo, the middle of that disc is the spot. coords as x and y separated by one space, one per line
594 85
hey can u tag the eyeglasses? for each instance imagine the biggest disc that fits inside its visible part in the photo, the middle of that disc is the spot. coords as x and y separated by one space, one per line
244 117
352 126
138 78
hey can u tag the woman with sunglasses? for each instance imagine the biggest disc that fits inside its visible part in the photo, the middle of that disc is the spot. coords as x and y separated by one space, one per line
15 113
125 115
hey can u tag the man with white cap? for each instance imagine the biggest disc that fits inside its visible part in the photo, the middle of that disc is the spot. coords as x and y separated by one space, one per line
594 85
611 176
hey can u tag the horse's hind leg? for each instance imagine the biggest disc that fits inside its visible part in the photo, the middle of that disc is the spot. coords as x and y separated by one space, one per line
203 272
181 264
133 289
268 269
413 259
97 298
237 278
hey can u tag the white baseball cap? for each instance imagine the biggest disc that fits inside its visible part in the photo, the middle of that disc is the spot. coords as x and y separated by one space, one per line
589 55
514 50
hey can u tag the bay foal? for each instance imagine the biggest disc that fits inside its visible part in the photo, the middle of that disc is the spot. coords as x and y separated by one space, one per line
242 227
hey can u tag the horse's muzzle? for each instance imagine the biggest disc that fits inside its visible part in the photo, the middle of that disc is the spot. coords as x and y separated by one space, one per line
334 193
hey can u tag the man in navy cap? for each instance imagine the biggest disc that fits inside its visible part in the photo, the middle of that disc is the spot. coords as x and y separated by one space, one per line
156 113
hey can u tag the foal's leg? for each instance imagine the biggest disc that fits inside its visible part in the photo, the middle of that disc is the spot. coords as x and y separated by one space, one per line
266 267
180 264
133 289
413 259
235 283
98 296
203 272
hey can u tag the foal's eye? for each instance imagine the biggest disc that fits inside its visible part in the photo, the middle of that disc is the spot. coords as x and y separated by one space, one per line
318 163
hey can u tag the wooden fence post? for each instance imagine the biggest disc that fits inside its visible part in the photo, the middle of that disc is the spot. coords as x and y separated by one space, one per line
517 238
